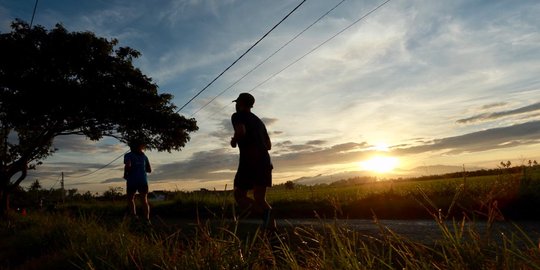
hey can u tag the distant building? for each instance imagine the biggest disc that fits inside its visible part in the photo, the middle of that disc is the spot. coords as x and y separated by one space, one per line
157 195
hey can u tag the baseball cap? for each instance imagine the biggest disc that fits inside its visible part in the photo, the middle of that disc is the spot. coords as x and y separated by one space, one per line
245 98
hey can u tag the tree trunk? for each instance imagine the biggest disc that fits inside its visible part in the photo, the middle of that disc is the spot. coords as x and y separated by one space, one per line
6 186
4 203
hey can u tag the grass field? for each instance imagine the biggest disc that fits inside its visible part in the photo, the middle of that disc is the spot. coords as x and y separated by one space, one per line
96 235
514 195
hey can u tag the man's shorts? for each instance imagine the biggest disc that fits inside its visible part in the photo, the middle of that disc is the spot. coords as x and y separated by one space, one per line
248 177
137 187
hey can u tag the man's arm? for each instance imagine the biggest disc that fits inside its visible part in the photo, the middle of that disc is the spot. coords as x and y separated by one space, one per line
239 133
148 167
268 143
127 167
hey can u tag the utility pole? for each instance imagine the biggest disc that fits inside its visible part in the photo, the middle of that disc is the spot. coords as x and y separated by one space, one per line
62 189
464 179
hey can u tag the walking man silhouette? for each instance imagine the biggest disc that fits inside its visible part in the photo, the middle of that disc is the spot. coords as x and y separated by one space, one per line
136 167
255 167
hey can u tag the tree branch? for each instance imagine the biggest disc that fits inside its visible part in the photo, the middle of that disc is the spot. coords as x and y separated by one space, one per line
24 172
20 165
70 133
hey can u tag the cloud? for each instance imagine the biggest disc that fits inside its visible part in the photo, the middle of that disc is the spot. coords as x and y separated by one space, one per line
316 142
221 164
113 180
75 173
496 138
223 131
79 143
269 121
495 115
494 105
409 77
283 144
217 165
204 165
5 20
181 11
309 156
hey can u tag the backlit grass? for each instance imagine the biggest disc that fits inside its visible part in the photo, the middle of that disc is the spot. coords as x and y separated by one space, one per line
195 230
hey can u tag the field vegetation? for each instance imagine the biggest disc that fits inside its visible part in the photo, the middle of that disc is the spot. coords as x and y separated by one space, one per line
204 230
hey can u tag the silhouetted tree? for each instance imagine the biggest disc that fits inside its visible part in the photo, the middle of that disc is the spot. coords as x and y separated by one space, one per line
35 186
35 192
113 193
506 165
289 185
87 196
55 83
72 192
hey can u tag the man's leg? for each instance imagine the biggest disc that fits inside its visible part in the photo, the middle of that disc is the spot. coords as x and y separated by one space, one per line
259 193
145 205
247 205
131 203
241 198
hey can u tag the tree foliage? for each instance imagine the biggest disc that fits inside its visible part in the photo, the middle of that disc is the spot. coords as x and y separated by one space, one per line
55 82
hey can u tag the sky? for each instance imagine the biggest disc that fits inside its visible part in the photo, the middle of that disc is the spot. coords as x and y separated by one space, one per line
408 89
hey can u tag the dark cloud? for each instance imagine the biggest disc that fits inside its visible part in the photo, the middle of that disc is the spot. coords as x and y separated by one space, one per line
403 145
204 165
315 146
349 146
288 146
74 170
309 156
496 138
75 173
79 143
220 164
495 115
301 147
283 144
269 121
316 142
113 180
225 129
494 105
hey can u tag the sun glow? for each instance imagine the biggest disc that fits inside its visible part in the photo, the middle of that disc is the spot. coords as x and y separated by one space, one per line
380 164
383 147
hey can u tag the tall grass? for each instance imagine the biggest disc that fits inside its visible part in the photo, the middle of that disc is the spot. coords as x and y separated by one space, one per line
89 239
515 194
54 241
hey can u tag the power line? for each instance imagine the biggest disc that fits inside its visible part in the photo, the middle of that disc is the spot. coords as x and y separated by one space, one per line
312 50
266 80
59 178
101 168
241 56
33 13
320 45
267 58
273 75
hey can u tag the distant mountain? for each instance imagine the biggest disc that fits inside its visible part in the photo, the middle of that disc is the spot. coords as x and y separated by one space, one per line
438 169
326 179
415 172
330 178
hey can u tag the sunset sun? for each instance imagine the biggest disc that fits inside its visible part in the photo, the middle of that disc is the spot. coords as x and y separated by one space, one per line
379 164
